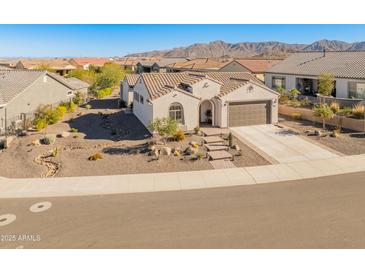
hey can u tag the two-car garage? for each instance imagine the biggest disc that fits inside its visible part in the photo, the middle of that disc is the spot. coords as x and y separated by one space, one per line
249 113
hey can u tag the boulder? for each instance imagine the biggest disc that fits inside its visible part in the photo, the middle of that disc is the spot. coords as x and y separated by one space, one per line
65 134
236 147
165 151
36 142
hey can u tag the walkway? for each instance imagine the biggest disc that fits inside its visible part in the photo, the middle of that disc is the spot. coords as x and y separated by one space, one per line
281 144
98 185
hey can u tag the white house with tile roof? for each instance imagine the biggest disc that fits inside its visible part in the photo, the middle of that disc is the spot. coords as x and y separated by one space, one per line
126 88
301 70
221 99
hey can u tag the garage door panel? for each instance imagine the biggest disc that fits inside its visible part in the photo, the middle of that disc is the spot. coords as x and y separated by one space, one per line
248 113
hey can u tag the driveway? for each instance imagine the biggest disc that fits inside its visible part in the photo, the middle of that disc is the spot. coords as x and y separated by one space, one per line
280 144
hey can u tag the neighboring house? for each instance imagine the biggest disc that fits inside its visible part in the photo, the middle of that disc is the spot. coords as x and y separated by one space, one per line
222 99
198 64
23 91
3 67
126 88
157 66
85 63
61 66
255 66
75 84
128 64
301 71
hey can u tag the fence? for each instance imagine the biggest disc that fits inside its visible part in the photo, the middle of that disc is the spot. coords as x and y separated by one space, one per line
343 102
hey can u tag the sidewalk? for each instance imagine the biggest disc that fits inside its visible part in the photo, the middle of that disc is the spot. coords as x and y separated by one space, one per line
133 183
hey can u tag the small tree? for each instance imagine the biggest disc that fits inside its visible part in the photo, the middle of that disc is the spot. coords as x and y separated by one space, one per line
293 93
326 84
324 112
165 127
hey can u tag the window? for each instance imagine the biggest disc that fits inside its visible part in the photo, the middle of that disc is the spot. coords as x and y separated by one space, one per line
136 96
278 82
141 99
356 90
176 112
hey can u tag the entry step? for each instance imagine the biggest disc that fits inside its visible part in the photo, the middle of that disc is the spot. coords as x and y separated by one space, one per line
215 147
213 140
219 155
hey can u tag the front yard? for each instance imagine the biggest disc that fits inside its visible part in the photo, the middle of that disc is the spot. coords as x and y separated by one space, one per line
347 142
117 136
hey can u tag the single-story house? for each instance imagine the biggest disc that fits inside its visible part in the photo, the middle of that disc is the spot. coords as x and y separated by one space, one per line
85 62
126 88
301 70
77 85
198 64
61 66
157 66
221 99
129 63
255 66
23 91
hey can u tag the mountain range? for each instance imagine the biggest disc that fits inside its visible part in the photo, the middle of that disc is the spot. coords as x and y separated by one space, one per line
217 49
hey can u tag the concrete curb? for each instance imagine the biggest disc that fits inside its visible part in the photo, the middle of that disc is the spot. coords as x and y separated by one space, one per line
153 182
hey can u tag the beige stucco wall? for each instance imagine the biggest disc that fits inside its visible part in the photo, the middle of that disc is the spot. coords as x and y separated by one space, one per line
190 105
126 93
258 93
206 89
144 112
44 90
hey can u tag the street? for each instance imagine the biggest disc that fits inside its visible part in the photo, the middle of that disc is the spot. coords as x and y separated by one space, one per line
326 212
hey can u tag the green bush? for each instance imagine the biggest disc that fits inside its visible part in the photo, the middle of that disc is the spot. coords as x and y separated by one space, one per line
79 98
101 93
70 106
284 99
293 93
74 130
40 123
179 135
165 127
324 112
347 111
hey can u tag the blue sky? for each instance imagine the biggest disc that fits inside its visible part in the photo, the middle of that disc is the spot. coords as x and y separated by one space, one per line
118 40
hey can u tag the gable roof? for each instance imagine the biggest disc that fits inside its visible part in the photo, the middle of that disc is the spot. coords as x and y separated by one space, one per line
159 84
131 79
76 83
256 65
54 63
199 64
13 82
92 61
343 64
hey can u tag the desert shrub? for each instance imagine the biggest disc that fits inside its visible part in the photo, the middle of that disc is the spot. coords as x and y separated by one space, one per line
62 110
95 157
294 103
40 123
284 99
88 106
165 127
296 116
281 91
305 102
347 111
200 155
196 130
79 98
179 135
74 130
293 93
335 106
49 139
230 139
101 93
326 83
70 106
358 111
55 152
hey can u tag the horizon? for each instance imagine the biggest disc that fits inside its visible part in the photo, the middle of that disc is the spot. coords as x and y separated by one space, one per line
67 41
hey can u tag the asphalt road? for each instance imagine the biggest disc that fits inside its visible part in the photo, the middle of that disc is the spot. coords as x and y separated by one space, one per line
318 213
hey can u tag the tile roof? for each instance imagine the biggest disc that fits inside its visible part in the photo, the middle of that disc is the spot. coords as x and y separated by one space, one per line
91 61
54 63
256 65
131 79
76 83
13 82
343 64
163 62
159 84
199 64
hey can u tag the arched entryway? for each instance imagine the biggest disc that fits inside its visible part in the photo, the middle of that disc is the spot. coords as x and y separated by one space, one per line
206 112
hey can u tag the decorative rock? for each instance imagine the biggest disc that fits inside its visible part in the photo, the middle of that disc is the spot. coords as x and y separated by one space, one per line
318 133
194 144
236 147
156 153
65 134
166 151
191 150
152 148
36 142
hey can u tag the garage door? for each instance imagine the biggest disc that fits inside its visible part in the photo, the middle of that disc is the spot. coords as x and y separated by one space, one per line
248 113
